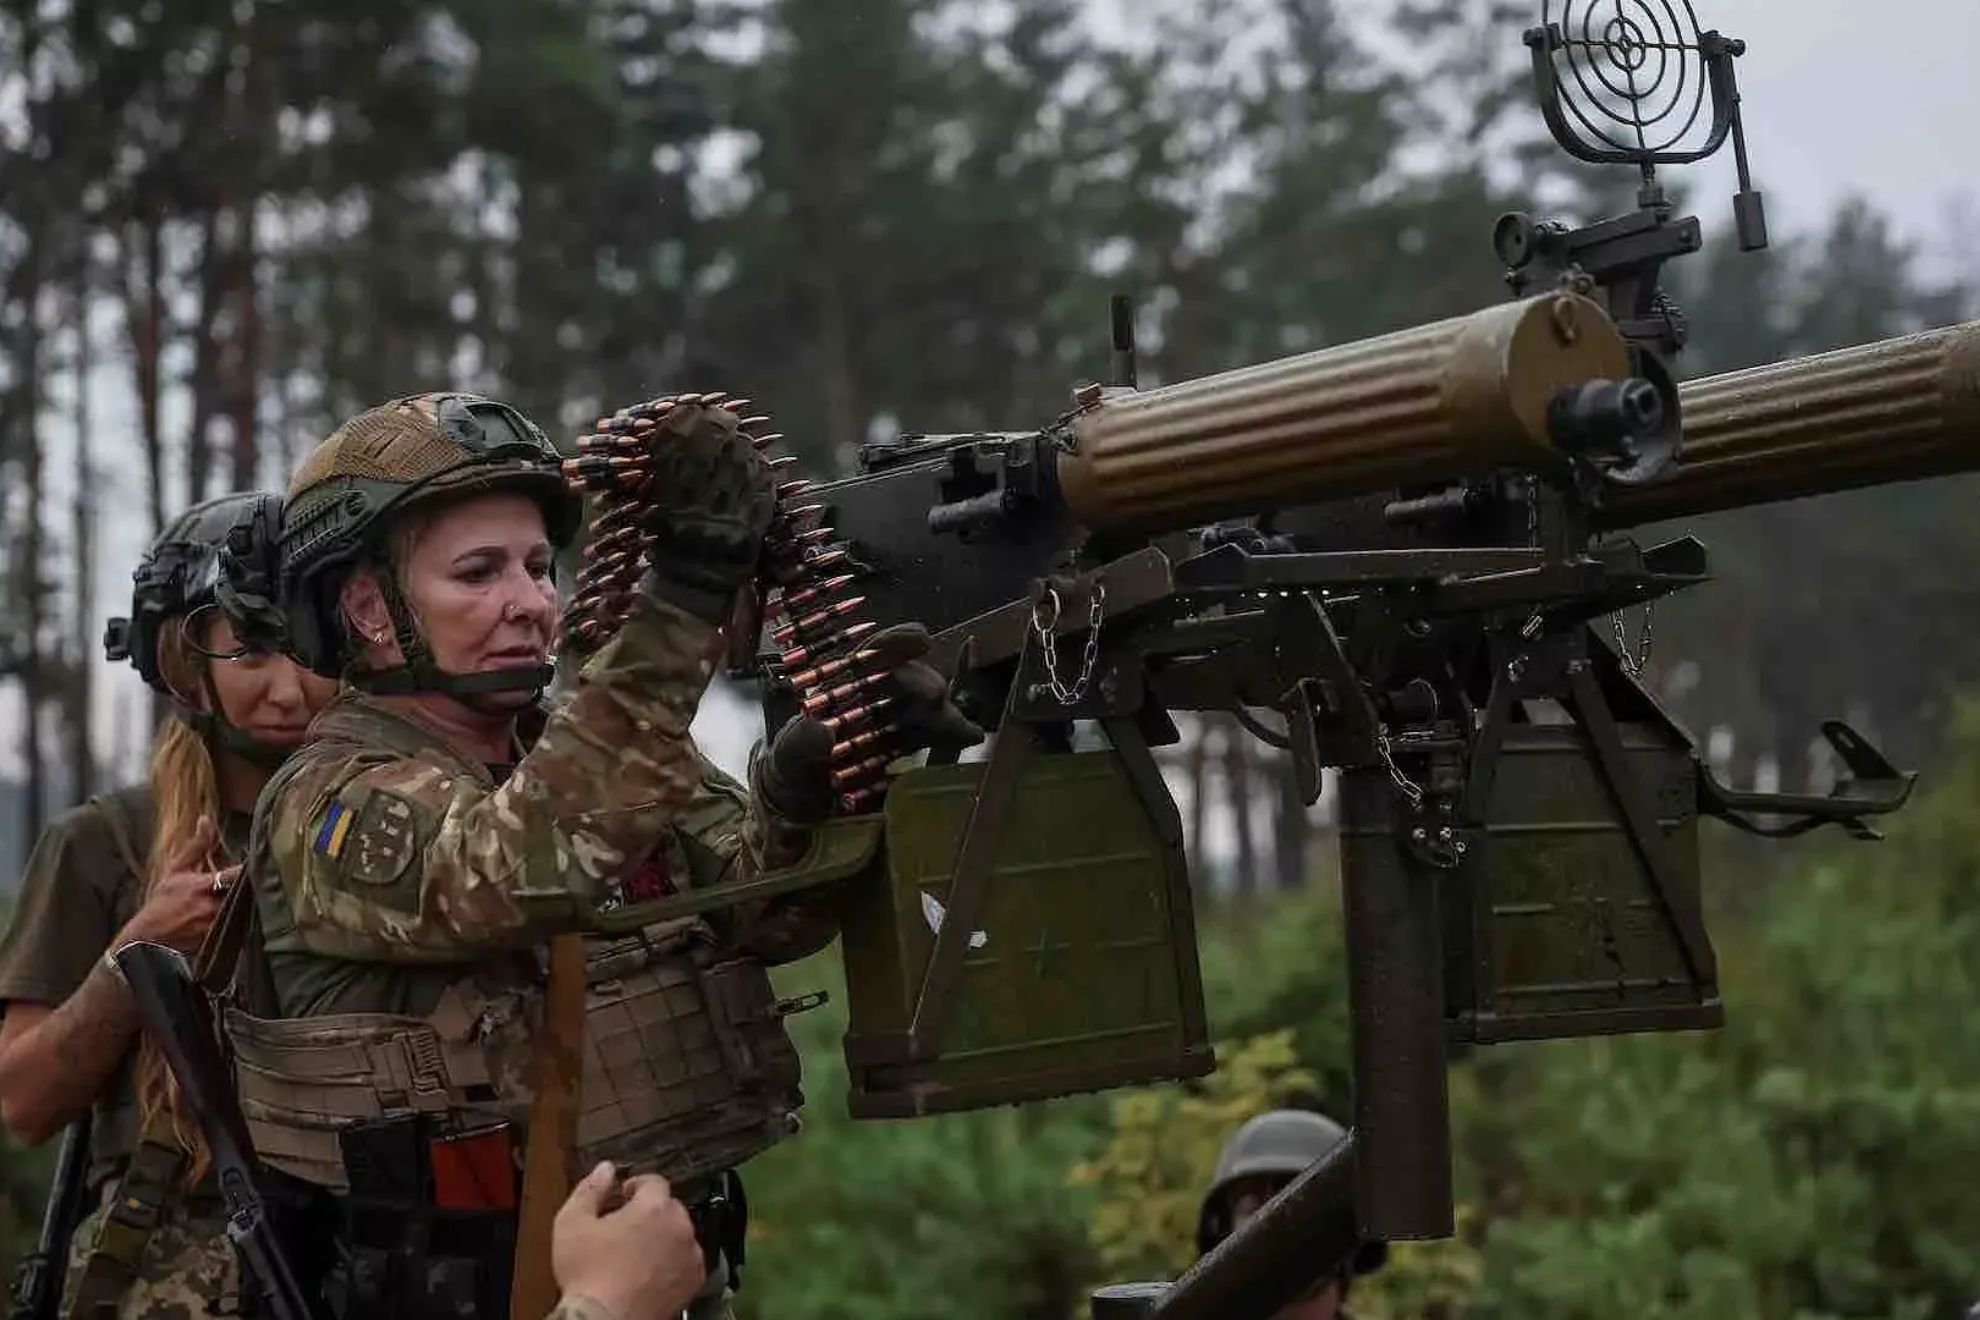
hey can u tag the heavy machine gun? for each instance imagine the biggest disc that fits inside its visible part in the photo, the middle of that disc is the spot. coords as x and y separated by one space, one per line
1390 559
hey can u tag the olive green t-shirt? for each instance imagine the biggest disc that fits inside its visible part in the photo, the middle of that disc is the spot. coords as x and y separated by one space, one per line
82 883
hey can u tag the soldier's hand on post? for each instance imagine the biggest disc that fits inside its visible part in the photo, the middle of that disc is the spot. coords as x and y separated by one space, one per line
181 904
629 1248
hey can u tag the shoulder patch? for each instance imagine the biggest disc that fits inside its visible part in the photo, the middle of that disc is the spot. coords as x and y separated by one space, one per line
375 844
332 833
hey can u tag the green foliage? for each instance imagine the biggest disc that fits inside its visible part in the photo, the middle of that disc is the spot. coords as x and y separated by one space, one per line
1803 1163
1796 1164
966 1215
1284 966
1163 1150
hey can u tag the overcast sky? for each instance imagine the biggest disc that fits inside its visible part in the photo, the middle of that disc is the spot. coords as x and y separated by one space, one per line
1840 96
1843 96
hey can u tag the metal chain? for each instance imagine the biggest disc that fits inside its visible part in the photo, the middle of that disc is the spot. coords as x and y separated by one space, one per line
1531 628
1634 663
1402 781
1048 640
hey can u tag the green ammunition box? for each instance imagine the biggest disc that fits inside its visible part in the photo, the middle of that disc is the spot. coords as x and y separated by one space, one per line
1080 969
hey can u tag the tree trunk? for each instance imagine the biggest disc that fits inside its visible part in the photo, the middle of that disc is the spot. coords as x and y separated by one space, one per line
1196 768
206 350
82 530
246 356
28 576
1237 779
1291 830
144 318
842 428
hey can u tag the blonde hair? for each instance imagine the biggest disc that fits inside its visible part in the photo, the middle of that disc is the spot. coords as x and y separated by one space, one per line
389 567
185 791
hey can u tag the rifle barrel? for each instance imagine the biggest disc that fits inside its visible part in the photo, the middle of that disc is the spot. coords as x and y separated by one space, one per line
1895 410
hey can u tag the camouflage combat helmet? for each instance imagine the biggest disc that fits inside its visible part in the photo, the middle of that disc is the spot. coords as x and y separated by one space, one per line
1278 1146
220 555
354 486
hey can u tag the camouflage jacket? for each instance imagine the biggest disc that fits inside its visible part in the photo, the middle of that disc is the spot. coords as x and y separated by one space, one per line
383 858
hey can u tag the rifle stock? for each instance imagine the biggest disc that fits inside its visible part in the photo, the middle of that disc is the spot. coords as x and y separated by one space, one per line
39 1281
176 1017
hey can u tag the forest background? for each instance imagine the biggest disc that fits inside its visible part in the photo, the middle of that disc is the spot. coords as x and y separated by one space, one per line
224 225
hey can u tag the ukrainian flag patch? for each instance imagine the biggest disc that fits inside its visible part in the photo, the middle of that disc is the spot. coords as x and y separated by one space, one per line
336 827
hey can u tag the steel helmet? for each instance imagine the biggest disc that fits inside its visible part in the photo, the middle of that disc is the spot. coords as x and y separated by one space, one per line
1279 1145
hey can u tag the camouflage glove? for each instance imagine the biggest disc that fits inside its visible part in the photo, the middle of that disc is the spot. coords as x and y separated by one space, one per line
794 776
922 713
709 497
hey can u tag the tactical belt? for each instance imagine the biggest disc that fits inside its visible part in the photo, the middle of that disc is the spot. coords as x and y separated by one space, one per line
302 1080
688 1068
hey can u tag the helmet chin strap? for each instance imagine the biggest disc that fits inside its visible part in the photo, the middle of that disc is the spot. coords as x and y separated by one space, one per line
419 673
215 728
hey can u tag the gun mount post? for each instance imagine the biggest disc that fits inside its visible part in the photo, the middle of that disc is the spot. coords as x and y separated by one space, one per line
1395 948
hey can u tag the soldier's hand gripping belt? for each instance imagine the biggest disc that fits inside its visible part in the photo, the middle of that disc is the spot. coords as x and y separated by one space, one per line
815 762
706 496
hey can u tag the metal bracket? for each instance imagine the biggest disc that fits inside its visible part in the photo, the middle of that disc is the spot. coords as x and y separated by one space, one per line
1873 787
1584 695
969 883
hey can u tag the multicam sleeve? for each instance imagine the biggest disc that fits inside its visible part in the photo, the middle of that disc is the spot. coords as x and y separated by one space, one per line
409 860
734 835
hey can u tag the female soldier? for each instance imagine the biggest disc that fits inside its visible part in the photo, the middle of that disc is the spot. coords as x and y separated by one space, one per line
408 861
149 863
